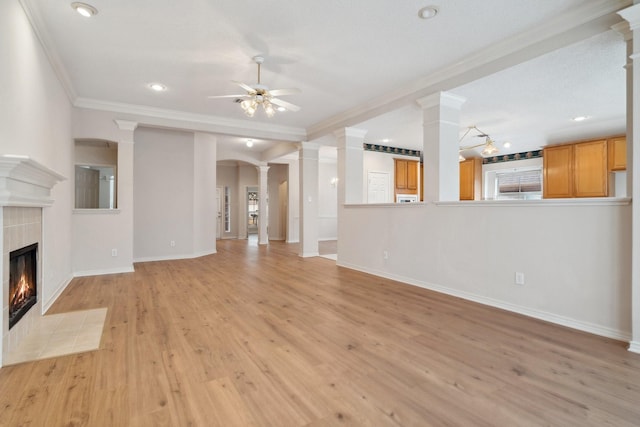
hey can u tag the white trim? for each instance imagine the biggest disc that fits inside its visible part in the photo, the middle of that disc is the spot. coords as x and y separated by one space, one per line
96 211
25 182
100 272
587 201
175 257
309 254
634 347
46 305
327 239
537 314
384 205
191 121
48 46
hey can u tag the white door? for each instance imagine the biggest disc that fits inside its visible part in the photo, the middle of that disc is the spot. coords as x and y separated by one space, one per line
378 187
219 208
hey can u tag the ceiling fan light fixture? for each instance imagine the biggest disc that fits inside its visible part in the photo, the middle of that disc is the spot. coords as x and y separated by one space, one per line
268 108
489 148
84 9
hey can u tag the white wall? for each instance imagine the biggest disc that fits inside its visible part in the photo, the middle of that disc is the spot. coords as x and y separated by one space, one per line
575 255
278 174
35 120
97 232
327 200
163 194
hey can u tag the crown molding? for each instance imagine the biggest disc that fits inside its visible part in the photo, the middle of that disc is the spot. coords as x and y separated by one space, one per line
570 27
160 117
632 16
40 29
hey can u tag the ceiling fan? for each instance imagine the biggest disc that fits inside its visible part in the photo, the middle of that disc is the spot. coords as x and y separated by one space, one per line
488 149
259 94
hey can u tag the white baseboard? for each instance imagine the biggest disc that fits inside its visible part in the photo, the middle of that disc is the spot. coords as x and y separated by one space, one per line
327 239
175 257
634 346
100 272
309 254
538 314
46 305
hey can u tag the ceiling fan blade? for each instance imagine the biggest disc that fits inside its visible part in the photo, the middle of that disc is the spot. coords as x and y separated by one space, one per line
228 96
246 87
280 92
289 106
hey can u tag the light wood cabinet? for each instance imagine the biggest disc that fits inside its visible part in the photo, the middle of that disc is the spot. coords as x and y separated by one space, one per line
471 179
576 170
617 153
406 176
558 171
590 174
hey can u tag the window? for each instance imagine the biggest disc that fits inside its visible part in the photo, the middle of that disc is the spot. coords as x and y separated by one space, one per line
525 184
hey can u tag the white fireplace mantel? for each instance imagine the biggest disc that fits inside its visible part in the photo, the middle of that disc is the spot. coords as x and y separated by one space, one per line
25 182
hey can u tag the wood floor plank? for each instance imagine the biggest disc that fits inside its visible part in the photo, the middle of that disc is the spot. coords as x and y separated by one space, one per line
257 336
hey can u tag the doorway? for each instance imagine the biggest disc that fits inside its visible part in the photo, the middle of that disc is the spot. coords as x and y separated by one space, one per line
252 211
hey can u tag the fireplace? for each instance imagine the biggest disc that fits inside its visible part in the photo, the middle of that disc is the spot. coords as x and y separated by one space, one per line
23 289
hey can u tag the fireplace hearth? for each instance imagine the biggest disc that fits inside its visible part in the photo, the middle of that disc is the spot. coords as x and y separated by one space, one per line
23 289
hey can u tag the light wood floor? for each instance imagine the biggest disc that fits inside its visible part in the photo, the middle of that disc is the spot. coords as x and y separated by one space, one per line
256 336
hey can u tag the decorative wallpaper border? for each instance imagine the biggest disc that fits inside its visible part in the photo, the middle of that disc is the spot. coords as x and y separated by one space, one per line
511 157
391 150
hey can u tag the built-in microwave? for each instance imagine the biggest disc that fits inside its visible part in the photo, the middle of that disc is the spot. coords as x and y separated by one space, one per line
406 198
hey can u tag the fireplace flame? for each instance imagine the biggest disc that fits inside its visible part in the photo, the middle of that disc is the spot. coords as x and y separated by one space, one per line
22 292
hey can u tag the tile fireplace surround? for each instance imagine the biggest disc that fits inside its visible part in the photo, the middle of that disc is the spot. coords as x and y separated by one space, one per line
25 188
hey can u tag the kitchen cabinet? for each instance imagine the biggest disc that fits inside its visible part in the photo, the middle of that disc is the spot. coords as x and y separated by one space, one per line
617 153
590 172
576 170
557 172
406 176
471 179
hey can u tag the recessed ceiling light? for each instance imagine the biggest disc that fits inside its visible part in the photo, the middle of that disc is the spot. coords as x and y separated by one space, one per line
385 140
507 145
158 87
428 12
580 118
84 9
249 143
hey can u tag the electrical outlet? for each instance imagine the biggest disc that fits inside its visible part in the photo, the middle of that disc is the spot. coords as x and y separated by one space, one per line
172 243
114 252
519 278
385 254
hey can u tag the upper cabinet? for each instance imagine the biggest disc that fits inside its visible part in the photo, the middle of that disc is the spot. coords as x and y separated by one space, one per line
558 171
471 179
590 172
617 153
406 176
582 169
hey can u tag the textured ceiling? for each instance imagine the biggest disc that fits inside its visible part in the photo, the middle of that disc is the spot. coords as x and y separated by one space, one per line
341 54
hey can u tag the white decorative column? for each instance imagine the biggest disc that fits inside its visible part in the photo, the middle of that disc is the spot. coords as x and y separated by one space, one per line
263 205
632 16
350 165
308 157
125 191
441 129
205 211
